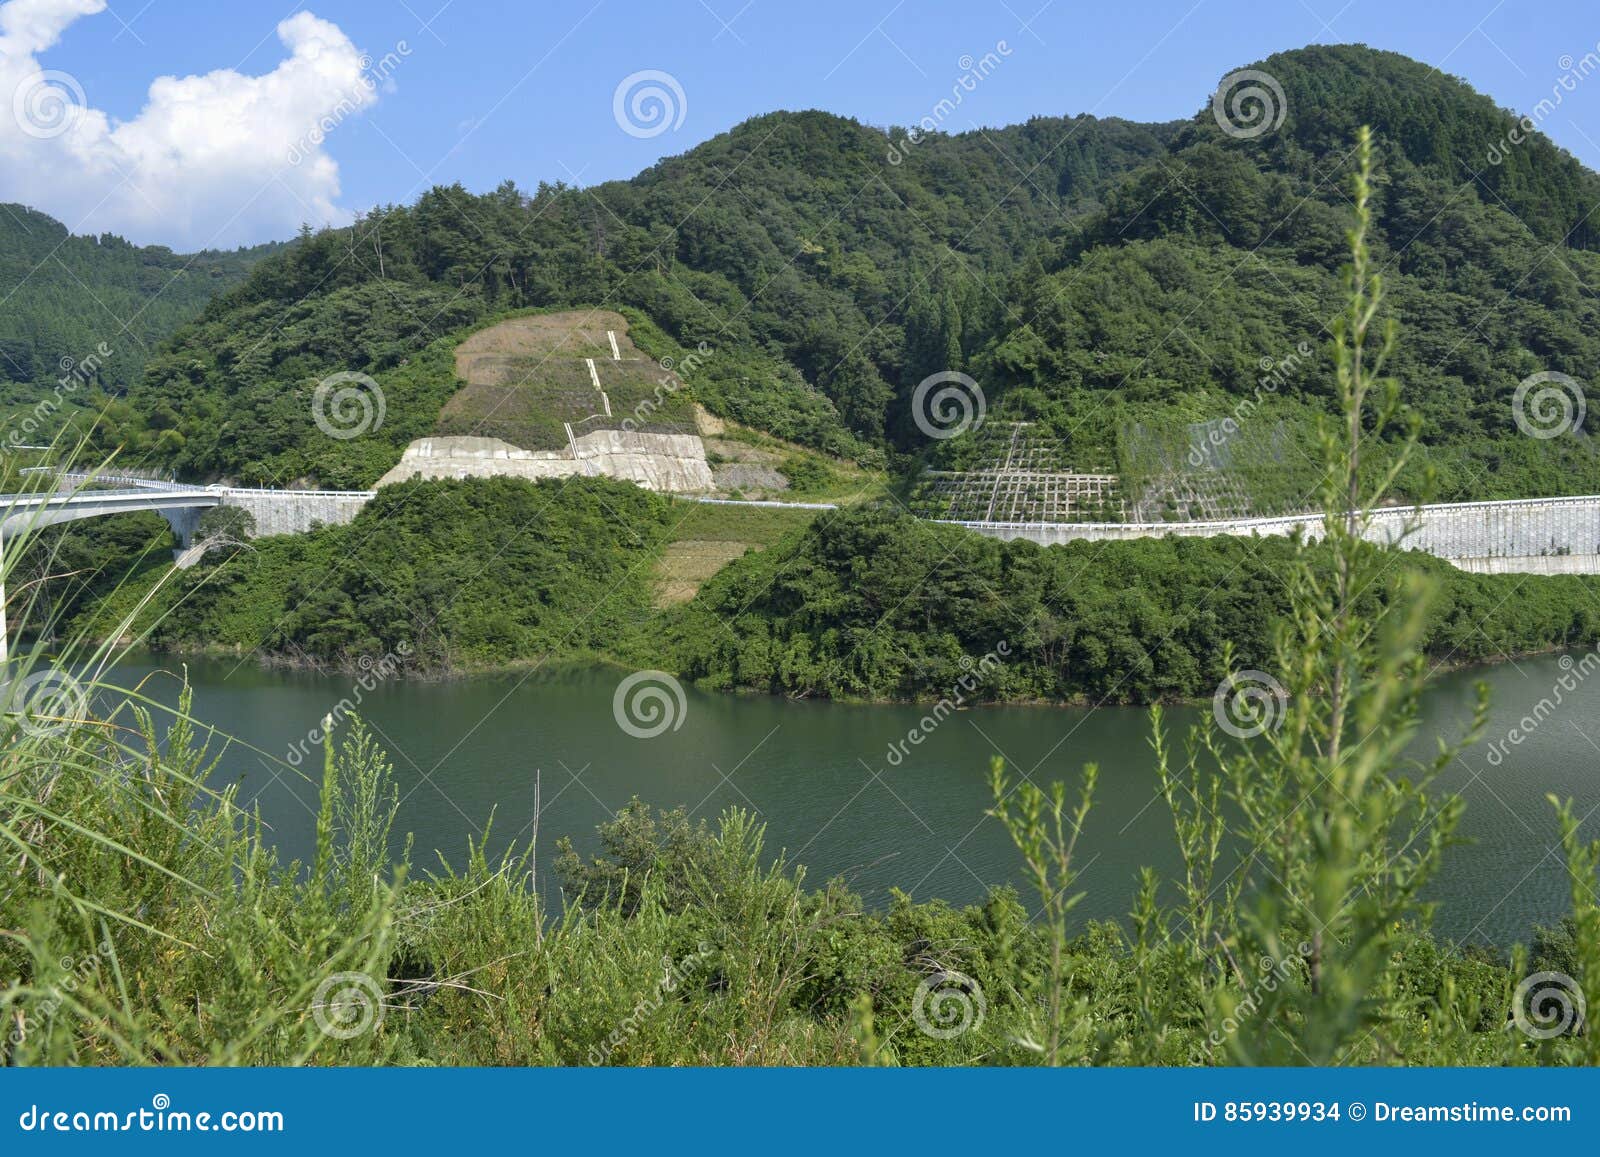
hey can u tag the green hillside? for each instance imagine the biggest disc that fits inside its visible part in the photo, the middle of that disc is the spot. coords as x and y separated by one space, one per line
1186 300
65 299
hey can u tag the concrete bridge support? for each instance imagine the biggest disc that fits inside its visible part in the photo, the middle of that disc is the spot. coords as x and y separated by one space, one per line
23 513
184 521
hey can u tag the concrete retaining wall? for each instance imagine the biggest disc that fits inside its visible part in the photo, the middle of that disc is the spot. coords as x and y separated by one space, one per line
296 511
1532 564
673 463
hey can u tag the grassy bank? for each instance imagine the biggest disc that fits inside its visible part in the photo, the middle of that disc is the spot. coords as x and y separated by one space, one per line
155 927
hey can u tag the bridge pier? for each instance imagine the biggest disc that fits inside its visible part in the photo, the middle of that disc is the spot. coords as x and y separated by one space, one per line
185 522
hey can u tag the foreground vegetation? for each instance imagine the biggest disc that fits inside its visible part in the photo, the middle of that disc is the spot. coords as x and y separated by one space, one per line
147 923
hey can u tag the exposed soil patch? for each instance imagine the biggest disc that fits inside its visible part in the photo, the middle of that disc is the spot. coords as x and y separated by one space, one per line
686 564
575 334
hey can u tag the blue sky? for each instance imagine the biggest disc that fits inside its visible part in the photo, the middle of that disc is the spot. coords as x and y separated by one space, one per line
481 90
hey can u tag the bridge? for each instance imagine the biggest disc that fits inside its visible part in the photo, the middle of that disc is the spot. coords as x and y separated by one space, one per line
179 505
274 511
1519 536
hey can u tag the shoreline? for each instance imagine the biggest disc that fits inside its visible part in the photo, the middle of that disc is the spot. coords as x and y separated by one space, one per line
528 667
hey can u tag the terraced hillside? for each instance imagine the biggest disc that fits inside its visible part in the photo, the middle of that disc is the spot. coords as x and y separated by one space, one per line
705 539
527 379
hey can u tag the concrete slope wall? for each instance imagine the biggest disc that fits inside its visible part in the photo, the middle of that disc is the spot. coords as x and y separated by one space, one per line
673 463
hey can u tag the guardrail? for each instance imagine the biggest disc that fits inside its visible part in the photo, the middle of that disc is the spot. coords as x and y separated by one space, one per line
1225 525
262 490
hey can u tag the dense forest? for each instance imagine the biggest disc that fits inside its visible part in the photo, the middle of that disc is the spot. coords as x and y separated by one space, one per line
1119 622
483 571
1210 267
65 296
787 245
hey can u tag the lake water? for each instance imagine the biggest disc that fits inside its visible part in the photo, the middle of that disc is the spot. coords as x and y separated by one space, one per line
820 776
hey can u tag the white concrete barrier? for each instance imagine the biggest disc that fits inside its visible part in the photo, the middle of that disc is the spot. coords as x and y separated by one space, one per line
1518 536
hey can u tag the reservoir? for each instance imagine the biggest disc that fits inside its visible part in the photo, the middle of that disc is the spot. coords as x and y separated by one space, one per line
834 789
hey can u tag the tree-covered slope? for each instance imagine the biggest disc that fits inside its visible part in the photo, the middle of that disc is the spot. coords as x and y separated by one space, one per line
866 603
567 575
1188 299
1119 283
1121 622
66 296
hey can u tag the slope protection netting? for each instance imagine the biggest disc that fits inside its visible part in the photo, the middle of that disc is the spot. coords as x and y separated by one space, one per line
1196 471
1021 475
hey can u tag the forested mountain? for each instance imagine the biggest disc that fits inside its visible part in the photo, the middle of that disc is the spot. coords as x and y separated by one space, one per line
1120 283
65 296
823 276
1209 267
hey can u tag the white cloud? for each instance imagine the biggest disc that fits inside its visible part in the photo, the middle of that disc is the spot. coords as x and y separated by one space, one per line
216 160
